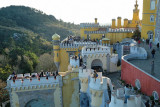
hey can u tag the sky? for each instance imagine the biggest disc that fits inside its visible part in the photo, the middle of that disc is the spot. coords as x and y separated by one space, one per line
81 11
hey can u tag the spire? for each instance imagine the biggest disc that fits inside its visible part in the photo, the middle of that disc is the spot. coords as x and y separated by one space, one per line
136 5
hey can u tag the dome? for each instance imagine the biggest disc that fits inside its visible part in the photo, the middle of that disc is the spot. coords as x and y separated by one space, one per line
56 37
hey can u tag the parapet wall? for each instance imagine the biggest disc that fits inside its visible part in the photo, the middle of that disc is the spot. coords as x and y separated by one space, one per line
98 83
34 82
85 73
95 51
130 73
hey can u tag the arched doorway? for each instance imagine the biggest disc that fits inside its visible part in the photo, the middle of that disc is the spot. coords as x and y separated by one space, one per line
38 103
150 34
97 65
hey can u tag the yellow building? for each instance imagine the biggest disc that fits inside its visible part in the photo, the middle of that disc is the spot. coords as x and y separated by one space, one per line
149 21
115 33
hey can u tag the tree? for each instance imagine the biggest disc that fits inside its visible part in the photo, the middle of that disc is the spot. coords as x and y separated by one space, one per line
46 62
136 34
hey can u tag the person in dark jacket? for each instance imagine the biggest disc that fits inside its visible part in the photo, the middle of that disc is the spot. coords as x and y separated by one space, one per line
153 53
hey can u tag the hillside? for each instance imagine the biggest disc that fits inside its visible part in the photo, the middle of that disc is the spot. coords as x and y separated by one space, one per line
25 39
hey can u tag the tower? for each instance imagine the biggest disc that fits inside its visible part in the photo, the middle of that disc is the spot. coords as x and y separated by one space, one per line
56 49
113 23
125 23
119 22
135 19
95 20
148 19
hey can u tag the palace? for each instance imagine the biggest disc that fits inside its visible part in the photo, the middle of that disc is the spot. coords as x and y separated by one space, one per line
114 33
81 62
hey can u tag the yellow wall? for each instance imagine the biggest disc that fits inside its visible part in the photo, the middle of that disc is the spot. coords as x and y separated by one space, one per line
64 57
87 29
56 52
70 90
146 24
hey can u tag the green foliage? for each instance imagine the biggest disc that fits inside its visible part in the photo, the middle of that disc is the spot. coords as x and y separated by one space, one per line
135 88
151 98
5 72
136 35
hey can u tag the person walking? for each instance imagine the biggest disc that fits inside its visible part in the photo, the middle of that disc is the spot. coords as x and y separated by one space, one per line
153 53
150 45
147 104
127 93
158 46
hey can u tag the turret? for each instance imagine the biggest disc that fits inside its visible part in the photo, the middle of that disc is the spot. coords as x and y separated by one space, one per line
113 23
119 22
125 23
56 49
95 20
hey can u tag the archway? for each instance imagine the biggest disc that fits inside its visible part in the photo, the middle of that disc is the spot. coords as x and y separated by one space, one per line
38 103
150 34
97 65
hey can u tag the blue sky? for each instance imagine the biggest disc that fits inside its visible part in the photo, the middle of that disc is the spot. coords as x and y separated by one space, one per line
79 11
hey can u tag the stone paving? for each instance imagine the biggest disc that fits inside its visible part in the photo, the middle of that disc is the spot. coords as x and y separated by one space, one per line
146 64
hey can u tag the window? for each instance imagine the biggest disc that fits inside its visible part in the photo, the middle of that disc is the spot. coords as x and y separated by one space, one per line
57 54
151 18
155 95
153 3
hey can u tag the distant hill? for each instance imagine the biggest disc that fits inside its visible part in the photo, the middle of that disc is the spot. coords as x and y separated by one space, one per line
36 21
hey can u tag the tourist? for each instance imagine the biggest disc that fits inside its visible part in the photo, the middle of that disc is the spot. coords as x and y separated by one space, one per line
127 91
153 103
152 67
139 42
153 53
150 45
158 46
95 75
147 104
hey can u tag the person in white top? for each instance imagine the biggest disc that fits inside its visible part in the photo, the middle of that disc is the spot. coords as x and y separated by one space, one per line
127 92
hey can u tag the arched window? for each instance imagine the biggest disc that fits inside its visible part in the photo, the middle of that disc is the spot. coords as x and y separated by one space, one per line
152 18
155 95
152 5
138 84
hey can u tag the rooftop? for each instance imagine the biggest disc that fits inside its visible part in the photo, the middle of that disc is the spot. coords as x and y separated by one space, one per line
146 64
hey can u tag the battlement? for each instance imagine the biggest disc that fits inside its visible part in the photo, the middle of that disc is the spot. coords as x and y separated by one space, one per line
74 61
98 83
114 58
85 73
95 32
98 50
77 44
87 25
121 30
28 80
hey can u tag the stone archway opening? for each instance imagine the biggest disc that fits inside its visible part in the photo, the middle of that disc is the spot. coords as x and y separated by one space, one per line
37 103
97 65
150 34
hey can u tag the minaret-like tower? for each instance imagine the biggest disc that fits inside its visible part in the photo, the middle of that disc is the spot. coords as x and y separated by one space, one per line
56 49
136 14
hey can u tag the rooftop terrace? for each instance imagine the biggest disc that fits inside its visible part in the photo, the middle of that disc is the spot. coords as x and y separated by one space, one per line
146 64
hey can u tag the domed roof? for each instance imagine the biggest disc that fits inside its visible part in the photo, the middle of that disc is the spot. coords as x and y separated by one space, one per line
56 37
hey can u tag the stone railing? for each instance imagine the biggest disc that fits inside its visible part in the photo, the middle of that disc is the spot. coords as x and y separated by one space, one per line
85 73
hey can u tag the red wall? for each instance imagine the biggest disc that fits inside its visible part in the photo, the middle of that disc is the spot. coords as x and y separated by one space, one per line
129 73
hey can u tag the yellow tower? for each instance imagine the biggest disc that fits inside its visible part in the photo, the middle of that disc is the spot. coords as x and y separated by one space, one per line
95 20
113 24
56 49
148 19
135 20
125 23
119 22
